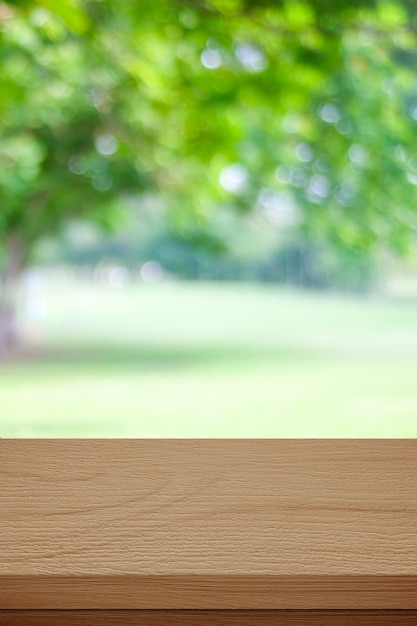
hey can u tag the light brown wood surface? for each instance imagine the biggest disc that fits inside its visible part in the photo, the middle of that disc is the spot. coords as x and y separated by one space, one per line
208 524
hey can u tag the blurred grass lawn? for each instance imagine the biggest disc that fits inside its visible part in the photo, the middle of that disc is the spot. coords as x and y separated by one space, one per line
213 360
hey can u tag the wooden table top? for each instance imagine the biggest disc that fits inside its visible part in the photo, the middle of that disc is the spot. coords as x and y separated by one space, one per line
208 524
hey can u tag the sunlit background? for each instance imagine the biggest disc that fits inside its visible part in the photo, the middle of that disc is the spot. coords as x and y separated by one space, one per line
208 219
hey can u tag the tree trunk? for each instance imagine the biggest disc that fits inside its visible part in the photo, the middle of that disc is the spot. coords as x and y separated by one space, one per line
14 262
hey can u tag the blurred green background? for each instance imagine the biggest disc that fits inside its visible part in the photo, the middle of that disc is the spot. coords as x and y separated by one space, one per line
210 360
208 218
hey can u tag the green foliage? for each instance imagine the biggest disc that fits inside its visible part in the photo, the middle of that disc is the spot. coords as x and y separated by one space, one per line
303 112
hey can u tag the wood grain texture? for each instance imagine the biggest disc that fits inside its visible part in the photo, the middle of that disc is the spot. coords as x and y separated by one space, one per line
208 618
208 524
209 592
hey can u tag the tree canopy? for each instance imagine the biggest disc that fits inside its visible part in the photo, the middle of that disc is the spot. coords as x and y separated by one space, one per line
305 112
